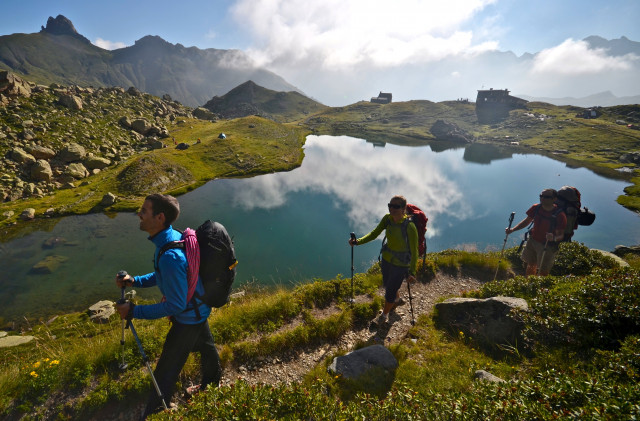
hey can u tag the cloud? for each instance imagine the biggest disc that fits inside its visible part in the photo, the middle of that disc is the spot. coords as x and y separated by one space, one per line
576 58
335 34
108 45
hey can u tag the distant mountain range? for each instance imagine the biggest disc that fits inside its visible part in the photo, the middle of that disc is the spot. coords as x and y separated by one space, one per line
193 76
603 99
190 75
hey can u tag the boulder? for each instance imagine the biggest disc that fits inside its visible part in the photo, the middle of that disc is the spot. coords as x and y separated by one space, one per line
72 152
204 114
70 101
488 321
53 242
76 170
141 126
40 152
450 132
618 259
487 377
96 162
108 199
622 250
48 265
9 341
41 171
28 214
125 122
359 362
12 85
20 156
101 311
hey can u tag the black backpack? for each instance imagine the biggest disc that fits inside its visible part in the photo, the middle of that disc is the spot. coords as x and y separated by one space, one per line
569 201
217 262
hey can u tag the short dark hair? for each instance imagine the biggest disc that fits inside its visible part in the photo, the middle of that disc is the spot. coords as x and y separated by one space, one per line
552 192
402 199
167 204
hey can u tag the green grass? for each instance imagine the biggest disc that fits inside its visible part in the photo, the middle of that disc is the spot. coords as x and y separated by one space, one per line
583 336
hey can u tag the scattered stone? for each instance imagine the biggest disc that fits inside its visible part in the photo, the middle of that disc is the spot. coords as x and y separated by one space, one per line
101 311
48 265
489 321
10 341
72 152
108 199
41 171
20 156
70 101
359 362
96 162
443 130
28 214
53 242
487 377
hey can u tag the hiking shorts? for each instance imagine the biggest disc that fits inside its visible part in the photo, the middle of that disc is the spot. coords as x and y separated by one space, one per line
533 251
392 277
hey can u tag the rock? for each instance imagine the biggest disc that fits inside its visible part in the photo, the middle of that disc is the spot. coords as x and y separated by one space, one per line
487 377
108 199
204 114
96 162
48 265
182 146
622 250
488 321
28 214
125 122
359 362
20 156
3 334
76 170
141 126
9 341
12 85
40 152
618 259
450 132
133 91
70 101
72 152
41 171
53 242
101 311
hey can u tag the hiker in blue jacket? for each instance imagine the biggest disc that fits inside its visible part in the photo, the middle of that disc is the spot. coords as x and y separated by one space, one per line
189 329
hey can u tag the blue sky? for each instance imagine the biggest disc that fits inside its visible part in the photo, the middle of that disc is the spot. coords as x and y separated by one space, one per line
297 38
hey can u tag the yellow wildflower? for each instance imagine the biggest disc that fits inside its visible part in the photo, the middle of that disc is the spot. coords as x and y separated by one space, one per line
33 374
46 359
36 364
54 362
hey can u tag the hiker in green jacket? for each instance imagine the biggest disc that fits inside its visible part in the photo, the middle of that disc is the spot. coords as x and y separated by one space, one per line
399 254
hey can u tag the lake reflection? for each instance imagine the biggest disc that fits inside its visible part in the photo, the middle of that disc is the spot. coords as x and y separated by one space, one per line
293 226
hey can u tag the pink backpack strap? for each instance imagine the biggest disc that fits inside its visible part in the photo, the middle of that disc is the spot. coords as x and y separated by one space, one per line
192 251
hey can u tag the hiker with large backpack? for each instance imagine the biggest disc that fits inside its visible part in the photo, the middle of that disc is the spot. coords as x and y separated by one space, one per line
189 330
549 222
399 253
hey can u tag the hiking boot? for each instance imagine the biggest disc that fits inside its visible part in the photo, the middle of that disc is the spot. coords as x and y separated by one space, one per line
192 390
381 320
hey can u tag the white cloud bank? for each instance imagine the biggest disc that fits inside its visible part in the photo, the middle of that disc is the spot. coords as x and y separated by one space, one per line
576 58
108 45
335 34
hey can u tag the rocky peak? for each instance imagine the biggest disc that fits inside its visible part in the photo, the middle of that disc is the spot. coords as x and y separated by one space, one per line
61 26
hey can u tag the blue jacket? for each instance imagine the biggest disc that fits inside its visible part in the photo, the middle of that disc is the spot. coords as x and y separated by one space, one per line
171 279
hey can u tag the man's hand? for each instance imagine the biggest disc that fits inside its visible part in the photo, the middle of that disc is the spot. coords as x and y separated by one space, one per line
124 281
550 236
123 309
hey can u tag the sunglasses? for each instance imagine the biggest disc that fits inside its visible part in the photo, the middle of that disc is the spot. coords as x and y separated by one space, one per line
543 196
394 206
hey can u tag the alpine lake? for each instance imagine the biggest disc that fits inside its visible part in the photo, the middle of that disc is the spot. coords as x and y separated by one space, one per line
293 227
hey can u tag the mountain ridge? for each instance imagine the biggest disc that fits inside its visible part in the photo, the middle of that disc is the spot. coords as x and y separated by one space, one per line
58 54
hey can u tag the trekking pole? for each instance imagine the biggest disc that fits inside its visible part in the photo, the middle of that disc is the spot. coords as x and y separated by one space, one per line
413 320
544 251
504 244
353 238
123 365
145 359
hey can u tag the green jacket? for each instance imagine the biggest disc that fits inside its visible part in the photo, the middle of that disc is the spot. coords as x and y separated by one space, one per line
396 242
